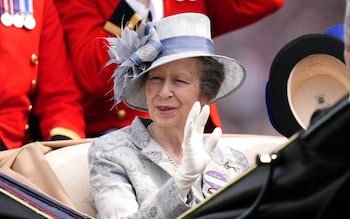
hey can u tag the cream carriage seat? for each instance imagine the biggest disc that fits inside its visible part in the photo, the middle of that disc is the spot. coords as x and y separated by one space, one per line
71 166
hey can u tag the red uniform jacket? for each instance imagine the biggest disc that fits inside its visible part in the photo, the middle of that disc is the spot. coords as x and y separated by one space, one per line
83 21
35 64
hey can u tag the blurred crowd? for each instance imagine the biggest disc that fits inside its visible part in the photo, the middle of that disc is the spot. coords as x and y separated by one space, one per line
255 46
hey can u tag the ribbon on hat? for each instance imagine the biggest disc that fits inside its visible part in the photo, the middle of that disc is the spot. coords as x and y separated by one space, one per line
133 52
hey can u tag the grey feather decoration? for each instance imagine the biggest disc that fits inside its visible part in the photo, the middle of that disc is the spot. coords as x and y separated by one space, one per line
133 52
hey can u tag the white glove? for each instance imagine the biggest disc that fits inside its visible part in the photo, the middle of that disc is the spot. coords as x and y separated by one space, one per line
196 156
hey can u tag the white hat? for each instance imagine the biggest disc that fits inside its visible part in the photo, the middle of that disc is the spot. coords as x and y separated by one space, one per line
181 36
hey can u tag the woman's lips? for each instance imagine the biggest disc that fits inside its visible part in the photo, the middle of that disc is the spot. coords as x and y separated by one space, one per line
165 109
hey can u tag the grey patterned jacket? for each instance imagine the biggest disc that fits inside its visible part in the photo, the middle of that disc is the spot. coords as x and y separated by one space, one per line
131 177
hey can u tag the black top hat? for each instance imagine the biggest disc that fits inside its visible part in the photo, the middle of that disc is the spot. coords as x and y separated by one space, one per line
307 74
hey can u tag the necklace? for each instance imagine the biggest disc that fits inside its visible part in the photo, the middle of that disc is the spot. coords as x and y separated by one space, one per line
170 158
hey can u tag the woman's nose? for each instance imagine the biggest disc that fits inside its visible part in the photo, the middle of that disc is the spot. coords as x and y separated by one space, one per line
166 90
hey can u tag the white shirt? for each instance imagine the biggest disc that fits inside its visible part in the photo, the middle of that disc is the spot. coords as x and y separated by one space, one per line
156 8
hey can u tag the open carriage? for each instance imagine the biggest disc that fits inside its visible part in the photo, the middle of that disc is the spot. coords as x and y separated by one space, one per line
54 175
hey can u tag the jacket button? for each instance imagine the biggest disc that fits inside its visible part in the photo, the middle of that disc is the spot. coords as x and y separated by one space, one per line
33 83
121 114
26 127
33 86
30 108
34 59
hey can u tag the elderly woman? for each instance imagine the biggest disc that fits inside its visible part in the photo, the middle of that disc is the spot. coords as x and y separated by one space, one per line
163 166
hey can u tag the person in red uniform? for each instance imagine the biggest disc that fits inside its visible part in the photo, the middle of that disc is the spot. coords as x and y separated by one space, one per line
87 23
36 76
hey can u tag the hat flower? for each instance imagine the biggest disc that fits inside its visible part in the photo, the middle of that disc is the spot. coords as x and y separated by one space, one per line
133 52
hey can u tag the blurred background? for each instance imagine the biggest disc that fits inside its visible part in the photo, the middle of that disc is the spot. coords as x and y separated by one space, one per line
255 46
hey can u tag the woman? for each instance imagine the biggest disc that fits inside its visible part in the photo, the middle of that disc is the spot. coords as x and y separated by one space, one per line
163 166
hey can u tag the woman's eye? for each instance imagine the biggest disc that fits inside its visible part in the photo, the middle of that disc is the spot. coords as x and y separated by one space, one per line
154 78
181 81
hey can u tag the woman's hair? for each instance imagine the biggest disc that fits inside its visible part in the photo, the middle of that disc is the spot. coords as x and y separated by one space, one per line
212 77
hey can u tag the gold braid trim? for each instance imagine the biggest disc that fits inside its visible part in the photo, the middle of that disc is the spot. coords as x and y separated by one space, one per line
65 132
132 24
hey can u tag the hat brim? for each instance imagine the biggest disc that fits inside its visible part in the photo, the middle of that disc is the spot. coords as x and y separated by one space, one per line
134 94
287 89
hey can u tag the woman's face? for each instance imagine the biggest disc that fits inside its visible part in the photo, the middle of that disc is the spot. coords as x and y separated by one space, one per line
171 90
